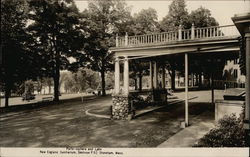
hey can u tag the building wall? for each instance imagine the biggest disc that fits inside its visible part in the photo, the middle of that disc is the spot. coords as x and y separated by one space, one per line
233 67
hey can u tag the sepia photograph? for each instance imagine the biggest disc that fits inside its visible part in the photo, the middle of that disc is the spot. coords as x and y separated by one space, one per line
125 78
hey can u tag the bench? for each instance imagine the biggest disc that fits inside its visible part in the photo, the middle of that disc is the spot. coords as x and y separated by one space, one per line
49 98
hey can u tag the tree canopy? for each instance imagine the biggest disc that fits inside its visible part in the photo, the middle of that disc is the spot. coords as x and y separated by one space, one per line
39 36
177 15
146 21
57 35
104 19
17 59
201 17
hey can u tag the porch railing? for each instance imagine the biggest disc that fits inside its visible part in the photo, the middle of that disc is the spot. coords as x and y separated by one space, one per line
179 35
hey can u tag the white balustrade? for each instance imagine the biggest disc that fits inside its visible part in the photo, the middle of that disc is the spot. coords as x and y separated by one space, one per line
179 35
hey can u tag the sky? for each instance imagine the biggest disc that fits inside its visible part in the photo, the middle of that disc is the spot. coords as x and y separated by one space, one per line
221 10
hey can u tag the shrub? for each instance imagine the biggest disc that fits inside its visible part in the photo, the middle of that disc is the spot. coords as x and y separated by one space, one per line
228 133
89 90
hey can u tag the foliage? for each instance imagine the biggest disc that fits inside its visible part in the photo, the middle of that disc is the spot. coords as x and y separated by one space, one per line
228 133
104 20
201 17
48 81
242 61
110 80
80 81
145 22
17 59
89 90
177 15
57 35
29 86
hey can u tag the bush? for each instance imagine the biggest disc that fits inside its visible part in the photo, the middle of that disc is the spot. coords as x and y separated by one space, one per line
89 90
228 133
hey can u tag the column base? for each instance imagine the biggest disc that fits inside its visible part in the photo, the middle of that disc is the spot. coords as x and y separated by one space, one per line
120 107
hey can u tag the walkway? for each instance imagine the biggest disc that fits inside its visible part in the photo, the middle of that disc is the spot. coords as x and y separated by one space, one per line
190 135
67 125
18 100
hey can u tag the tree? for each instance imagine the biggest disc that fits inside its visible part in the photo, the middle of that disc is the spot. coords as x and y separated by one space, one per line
81 80
105 19
29 86
145 22
201 17
56 30
110 80
92 78
48 81
177 15
17 59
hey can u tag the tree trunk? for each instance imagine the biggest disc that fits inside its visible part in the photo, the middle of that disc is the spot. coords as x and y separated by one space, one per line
103 82
172 78
57 78
7 95
49 89
135 79
196 79
200 81
212 88
140 81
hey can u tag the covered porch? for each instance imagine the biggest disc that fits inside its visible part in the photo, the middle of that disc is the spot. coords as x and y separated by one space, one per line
182 47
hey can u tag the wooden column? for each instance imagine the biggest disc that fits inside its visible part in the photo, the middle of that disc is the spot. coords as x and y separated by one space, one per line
155 75
212 87
126 76
117 75
186 89
242 22
247 101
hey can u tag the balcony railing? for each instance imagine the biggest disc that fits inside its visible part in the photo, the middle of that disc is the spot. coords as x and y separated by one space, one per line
180 35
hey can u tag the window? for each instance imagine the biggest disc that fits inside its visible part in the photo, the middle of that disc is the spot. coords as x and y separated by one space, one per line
235 73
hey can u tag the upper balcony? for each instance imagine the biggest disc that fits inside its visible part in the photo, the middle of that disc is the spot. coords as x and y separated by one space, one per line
181 35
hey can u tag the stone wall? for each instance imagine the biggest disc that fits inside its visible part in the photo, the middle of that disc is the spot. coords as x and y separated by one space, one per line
120 106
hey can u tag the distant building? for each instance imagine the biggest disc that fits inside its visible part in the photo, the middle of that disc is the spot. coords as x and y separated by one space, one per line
233 76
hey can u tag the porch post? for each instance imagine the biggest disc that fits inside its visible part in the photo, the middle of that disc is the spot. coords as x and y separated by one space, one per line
150 75
247 101
155 75
163 77
126 76
242 22
186 89
212 87
117 75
